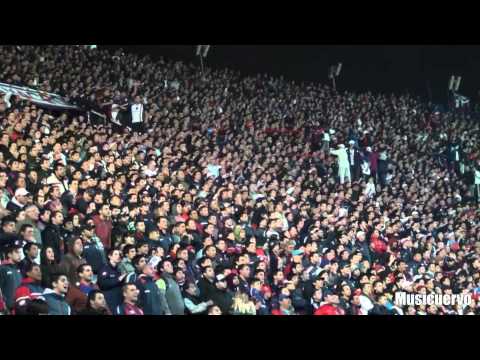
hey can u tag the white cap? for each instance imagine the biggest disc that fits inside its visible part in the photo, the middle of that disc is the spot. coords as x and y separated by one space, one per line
21 192
369 149
341 146
351 142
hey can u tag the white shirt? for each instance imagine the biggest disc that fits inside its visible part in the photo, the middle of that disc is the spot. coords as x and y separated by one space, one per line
365 304
370 190
137 113
477 177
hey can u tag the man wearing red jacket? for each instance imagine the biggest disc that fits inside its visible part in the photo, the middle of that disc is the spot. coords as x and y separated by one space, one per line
30 287
330 306
103 226
377 244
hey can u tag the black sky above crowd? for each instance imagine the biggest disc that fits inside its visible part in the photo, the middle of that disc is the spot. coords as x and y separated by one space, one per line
421 69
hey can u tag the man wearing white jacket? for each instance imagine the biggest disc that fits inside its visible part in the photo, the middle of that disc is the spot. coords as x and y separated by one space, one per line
477 181
343 163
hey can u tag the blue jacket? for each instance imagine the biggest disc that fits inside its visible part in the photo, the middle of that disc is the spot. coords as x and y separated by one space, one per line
57 305
110 285
95 256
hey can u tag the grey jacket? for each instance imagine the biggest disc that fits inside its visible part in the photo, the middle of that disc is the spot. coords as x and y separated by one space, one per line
173 294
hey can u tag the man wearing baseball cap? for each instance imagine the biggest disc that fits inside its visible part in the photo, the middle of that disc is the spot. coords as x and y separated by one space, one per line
19 201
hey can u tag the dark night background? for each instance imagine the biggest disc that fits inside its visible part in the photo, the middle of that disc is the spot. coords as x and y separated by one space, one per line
378 68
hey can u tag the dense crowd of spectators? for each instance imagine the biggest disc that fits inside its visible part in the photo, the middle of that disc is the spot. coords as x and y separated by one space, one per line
172 192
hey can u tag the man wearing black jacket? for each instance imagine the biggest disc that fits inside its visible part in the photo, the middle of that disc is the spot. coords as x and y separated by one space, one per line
206 284
52 235
244 277
222 297
7 235
93 248
30 250
10 275
110 280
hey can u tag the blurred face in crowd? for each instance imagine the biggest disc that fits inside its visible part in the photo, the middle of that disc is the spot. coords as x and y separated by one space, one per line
130 293
50 254
214 310
98 302
115 257
61 285
35 273
87 274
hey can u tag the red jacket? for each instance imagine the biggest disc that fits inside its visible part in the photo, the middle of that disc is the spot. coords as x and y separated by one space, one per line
329 309
28 289
378 245
103 229
3 307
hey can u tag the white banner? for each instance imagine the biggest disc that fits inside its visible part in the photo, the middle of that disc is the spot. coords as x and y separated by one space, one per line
36 96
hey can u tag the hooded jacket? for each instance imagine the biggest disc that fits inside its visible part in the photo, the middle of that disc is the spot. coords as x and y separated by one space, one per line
10 280
57 305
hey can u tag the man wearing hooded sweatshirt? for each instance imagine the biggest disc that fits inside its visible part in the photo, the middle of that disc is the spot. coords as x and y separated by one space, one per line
172 291
343 163
55 297
73 260
10 275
